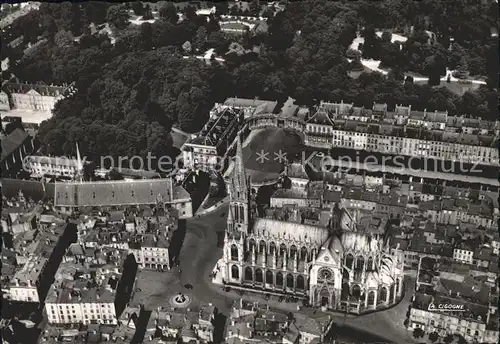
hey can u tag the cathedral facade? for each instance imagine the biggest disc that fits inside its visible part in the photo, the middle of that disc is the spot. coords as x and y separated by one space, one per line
334 267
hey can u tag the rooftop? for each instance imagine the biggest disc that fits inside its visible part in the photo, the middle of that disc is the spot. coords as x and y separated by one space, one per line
112 193
12 141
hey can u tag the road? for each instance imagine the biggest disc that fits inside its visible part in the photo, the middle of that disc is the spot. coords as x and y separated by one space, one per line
199 255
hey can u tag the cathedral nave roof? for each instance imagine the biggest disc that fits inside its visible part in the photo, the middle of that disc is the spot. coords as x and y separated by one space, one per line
290 231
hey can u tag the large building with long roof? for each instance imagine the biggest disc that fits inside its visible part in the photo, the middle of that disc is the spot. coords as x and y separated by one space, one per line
122 193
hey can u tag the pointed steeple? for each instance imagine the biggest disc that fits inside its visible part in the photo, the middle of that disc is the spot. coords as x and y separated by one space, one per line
239 193
79 164
239 178
239 156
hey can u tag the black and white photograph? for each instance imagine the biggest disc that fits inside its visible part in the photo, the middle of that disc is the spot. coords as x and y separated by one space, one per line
246 172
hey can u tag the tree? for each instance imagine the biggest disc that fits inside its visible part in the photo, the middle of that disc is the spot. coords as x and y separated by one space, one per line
254 7
221 8
353 54
63 38
386 36
418 333
11 126
455 55
268 13
371 45
169 13
201 38
434 336
117 16
434 80
148 14
462 69
448 339
356 65
146 36
138 8
396 74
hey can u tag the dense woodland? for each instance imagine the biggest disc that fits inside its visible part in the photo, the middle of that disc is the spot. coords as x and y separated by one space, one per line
133 91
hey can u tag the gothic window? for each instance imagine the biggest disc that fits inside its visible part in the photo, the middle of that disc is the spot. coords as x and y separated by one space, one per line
369 265
382 295
262 246
300 282
279 279
293 251
282 249
269 277
289 281
259 276
248 273
235 272
234 252
236 212
391 292
345 274
325 274
251 245
272 247
242 214
360 263
356 291
371 298
349 261
303 253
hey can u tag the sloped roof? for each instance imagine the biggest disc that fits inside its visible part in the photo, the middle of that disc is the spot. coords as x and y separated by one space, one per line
42 89
320 117
110 193
12 141
290 230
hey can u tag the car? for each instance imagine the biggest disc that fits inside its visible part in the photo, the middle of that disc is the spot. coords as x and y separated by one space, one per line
223 214
320 154
188 286
137 290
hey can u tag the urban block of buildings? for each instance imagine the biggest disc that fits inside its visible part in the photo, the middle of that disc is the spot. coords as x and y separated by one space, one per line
90 286
448 306
28 274
145 233
253 323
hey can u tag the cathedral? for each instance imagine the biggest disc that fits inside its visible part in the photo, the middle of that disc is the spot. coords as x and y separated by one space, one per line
334 266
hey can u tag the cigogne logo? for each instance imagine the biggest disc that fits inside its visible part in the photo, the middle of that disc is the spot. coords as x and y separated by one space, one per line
446 307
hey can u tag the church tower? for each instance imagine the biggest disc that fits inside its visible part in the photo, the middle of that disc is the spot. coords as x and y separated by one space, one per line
237 220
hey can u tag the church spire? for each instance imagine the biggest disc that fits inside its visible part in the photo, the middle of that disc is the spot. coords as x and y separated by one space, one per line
79 164
239 178
239 156
239 193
